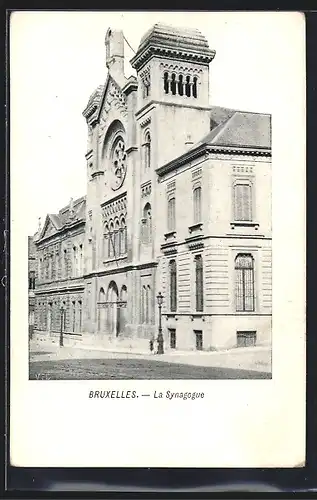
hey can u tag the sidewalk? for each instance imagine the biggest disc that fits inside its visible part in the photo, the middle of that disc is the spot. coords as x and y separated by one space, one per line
248 358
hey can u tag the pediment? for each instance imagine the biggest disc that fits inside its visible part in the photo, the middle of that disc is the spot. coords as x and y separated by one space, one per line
49 228
113 99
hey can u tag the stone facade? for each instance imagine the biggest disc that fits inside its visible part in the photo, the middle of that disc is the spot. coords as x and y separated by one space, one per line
178 201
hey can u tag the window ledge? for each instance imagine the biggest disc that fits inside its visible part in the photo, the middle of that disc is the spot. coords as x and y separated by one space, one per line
114 259
244 223
170 235
195 227
197 315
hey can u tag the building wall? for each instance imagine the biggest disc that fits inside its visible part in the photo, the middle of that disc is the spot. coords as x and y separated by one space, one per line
61 287
217 241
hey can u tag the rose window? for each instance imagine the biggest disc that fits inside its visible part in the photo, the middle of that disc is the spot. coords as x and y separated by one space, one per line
119 157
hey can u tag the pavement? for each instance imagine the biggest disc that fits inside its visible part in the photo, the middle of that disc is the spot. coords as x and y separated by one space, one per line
256 358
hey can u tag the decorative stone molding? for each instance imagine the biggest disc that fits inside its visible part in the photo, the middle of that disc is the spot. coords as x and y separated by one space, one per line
171 186
114 99
197 174
196 228
114 207
145 122
242 169
146 189
244 223
180 69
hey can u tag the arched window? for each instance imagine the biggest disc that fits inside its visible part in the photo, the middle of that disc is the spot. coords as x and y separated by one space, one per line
166 83
123 237
147 224
171 220
147 151
242 201
117 238
180 85
80 312
187 86
173 84
149 304
197 204
65 264
64 316
75 261
111 240
81 261
73 316
244 271
195 87
199 283
173 285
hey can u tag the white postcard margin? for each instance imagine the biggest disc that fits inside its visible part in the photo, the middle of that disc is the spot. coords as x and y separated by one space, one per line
239 423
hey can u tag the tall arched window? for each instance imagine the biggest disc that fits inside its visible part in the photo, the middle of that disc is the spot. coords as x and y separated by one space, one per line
242 201
180 85
171 215
149 304
147 224
244 271
187 86
117 238
197 204
166 82
111 240
147 151
173 84
173 285
195 87
123 237
80 313
199 283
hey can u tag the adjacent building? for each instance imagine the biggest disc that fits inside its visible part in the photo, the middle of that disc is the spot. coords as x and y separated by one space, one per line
178 201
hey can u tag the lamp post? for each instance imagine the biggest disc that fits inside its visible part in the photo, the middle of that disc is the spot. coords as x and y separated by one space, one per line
61 339
160 340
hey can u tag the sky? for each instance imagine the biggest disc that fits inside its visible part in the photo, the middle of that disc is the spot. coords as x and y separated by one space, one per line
57 59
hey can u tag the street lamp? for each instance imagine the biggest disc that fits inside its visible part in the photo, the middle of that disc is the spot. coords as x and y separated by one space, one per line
61 339
160 340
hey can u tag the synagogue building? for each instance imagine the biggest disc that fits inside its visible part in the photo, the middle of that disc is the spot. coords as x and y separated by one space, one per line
178 201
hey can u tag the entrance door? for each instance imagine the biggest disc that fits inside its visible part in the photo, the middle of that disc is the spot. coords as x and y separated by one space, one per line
199 340
122 311
112 301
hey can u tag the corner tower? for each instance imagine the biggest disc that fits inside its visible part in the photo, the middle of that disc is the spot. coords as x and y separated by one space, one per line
172 67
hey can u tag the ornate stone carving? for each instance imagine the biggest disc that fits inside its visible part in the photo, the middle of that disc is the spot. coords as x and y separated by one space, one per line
119 164
145 122
242 169
146 189
114 208
114 99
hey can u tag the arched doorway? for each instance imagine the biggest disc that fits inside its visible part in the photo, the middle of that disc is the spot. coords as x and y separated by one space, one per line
123 310
112 309
101 308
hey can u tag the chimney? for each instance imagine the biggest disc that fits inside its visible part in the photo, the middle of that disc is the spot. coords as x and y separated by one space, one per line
114 42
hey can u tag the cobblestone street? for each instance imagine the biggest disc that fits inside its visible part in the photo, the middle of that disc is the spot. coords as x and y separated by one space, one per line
51 362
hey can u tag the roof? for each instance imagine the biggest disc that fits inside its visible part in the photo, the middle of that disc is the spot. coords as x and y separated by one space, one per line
164 34
64 217
184 43
230 130
238 128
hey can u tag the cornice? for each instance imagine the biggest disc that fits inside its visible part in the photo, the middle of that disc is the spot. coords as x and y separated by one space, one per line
208 149
140 58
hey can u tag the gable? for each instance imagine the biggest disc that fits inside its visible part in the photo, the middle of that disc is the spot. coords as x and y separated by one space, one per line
113 99
49 228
